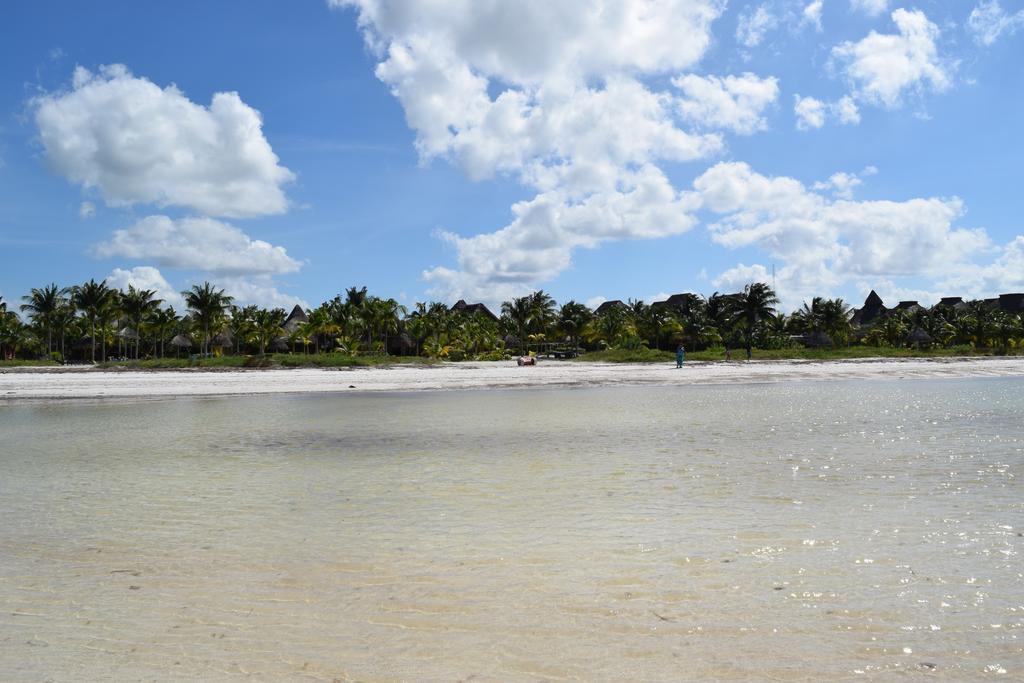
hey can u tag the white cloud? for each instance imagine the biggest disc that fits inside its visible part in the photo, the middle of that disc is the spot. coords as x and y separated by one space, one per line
988 21
1004 274
842 184
136 142
812 13
147 277
86 210
872 8
846 110
751 27
822 243
197 244
733 102
560 96
595 301
810 112
883 66
260 290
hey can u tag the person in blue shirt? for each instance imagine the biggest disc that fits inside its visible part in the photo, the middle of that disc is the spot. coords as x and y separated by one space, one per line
680 356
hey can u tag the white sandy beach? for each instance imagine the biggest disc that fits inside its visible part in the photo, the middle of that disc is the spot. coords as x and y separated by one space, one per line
77 383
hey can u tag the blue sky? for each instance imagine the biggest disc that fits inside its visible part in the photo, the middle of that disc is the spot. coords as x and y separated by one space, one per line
440 150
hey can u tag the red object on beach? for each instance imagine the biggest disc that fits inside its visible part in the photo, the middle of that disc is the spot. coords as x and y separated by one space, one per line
527 360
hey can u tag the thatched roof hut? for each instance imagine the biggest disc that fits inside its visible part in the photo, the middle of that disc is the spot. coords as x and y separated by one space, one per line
279 344
609 305
872 309
918 336
127 332
1012 303
223 340
461 306
295 319
181 341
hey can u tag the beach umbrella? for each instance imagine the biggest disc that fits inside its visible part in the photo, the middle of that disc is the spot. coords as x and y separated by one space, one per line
179 342
127 333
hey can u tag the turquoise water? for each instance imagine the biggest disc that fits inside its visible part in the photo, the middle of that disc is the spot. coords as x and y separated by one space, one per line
848 530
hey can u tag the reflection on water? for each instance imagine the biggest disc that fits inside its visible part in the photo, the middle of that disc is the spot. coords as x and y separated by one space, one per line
786 532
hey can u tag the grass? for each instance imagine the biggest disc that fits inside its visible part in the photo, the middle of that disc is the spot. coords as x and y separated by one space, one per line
283 360
718 354
18 363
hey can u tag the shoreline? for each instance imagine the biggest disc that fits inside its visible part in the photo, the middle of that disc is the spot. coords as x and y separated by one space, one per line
84 382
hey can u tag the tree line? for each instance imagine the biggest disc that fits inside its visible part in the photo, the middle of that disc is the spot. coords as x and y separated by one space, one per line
94 322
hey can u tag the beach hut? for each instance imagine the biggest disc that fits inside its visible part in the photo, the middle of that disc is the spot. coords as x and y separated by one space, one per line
918 338
461 306
872 309
179 342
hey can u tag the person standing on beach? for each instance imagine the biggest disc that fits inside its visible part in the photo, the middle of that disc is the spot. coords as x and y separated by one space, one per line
680 356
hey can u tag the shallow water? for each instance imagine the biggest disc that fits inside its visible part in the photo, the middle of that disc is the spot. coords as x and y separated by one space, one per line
801 531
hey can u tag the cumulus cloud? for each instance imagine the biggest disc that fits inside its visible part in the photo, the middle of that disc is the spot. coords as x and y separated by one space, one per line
751 27
845 110
202 244
822 242
988 21
812 13
146 277
882 67
810 112
260 290
559 95
872 8
733 102
135 142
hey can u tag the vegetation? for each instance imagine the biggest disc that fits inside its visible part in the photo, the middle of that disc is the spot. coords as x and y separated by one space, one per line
92 322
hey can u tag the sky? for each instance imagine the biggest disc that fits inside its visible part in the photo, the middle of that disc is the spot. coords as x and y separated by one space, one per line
482 149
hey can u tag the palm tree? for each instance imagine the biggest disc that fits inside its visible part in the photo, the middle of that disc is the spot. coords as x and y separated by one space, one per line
976 322
95 300
519 312
207 303
320 324
42 306
542 312
137 304
755 303
572 319
267 326
162 322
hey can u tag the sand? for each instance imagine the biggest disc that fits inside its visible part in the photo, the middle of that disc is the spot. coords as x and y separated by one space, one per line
86 383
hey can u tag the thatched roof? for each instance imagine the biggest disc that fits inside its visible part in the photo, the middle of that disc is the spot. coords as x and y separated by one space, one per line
609 305
919 336
951 301
223 339
1012 303
181 341
127 333
295 319
872 309
279 344
461 306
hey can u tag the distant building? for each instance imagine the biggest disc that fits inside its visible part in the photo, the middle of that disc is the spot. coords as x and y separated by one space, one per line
461 306
609 305
296 319
874 310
